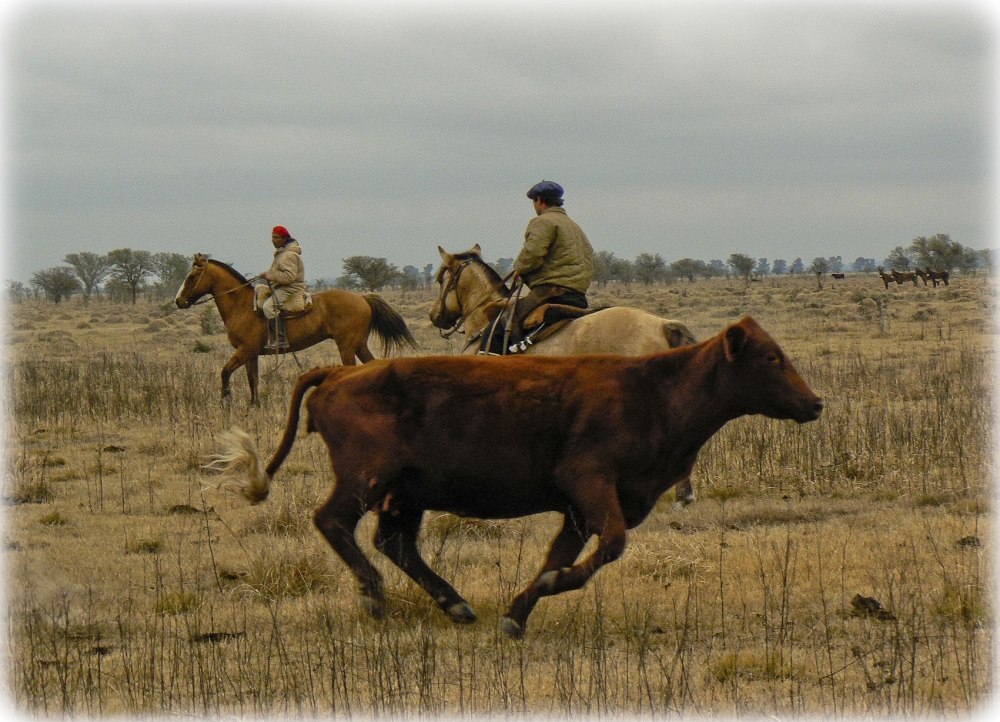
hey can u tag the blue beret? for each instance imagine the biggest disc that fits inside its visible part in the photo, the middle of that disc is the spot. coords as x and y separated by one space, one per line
545 189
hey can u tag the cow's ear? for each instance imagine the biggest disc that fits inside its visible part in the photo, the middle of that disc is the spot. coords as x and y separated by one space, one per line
735 340
446 257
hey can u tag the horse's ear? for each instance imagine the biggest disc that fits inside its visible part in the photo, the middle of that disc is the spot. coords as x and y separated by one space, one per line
200 259
477 250
446 257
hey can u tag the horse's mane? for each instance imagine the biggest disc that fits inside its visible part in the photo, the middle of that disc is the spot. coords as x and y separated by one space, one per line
487 268
227 267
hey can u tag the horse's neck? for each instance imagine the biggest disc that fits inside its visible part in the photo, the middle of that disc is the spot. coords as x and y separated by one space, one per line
231 297
480 298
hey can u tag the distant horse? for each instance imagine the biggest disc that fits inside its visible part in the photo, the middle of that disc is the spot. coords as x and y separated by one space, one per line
885 278
348 318
923 276
936 276
473 295
902 278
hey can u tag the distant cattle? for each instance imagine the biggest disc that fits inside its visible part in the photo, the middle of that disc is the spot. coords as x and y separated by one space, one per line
838 275
596 438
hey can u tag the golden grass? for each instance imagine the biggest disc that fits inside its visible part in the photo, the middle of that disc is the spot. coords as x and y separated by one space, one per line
136 587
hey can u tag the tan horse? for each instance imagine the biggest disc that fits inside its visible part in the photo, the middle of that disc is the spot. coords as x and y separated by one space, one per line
473 294
348 318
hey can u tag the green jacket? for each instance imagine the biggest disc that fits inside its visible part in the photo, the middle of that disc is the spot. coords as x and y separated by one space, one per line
556 251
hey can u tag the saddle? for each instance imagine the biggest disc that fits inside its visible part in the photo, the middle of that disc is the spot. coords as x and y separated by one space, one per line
553 312
537 326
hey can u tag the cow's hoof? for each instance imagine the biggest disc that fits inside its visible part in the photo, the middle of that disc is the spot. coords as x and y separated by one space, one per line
375 608
679 505
461 613
511 628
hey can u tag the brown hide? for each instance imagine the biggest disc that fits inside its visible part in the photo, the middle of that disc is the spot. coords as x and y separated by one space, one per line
596 438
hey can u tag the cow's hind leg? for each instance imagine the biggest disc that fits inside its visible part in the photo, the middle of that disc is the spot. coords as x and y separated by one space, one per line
337 520
396 537
566 546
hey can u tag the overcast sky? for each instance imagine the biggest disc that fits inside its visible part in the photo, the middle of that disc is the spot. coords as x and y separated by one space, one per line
779 130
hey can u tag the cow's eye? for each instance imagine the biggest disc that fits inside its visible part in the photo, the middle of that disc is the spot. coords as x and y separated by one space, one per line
773 358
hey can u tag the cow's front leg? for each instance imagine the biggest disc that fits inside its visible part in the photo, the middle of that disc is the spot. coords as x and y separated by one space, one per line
566 546
396 537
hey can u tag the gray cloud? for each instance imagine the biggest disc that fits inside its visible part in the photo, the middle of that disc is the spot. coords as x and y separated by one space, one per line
777 130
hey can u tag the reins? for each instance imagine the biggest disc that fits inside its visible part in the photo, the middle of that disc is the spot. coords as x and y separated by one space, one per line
453 286
213 296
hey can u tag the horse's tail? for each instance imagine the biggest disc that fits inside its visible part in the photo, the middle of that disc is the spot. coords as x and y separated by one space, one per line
389 326
239 453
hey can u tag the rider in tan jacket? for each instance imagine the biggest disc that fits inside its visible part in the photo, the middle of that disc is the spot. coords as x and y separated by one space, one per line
285 290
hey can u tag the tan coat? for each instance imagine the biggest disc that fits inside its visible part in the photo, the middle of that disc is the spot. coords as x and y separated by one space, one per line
556 251
287 277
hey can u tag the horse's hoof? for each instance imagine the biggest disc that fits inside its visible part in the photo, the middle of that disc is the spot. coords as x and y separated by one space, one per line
679 506
374 607
461 613
511 628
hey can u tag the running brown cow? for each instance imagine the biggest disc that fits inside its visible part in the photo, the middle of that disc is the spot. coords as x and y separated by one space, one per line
596 438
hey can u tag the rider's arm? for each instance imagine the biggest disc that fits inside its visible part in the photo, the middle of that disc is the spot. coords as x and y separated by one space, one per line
284 270
537 239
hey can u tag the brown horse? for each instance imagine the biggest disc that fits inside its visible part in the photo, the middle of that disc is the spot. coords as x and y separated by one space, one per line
473 295
886 279
902 278
936 276
348 318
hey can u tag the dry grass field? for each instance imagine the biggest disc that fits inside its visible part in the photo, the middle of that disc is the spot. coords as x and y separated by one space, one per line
135 587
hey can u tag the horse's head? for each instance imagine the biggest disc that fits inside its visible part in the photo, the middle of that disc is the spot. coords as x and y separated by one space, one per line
447 309
195 284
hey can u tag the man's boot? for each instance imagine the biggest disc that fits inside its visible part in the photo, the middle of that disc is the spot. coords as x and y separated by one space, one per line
275 335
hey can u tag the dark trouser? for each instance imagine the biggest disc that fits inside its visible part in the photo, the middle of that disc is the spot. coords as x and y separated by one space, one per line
537 296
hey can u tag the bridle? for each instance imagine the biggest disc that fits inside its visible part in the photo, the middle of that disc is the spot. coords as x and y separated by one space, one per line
209 297
452 287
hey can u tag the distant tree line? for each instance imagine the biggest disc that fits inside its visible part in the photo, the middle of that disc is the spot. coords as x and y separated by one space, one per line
122 275
125 274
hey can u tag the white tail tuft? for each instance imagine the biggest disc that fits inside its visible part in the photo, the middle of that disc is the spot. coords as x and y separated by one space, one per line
238 458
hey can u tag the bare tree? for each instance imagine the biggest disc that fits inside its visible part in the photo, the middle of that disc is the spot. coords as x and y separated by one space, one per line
56 283
371 273
91 268
132 268
819 266
742 264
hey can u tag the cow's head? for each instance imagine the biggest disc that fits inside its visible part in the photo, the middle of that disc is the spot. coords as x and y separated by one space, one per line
764 380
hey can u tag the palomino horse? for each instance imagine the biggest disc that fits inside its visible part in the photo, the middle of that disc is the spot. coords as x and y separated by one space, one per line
348 318
473 295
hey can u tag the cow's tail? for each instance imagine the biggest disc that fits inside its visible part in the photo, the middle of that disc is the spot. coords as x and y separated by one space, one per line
239 458
389 326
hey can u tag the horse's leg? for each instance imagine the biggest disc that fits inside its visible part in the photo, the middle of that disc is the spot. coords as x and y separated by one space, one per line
251 366
566 546
242 356
337 520
396 537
